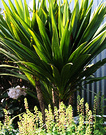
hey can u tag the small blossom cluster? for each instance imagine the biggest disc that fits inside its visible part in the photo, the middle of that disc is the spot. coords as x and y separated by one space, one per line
16 92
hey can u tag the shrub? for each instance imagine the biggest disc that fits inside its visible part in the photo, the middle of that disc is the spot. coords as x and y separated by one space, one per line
59 122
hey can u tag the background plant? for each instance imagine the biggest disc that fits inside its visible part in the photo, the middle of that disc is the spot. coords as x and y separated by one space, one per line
16 106
59 122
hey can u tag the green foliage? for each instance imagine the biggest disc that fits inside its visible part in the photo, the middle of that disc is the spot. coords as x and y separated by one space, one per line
13 107
59 122
56 44
7 128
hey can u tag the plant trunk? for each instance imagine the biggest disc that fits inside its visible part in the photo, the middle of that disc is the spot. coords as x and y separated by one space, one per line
71 100
54 98
60 102
40 98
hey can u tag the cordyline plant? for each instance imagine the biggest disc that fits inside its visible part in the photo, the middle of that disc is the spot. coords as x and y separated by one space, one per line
53 43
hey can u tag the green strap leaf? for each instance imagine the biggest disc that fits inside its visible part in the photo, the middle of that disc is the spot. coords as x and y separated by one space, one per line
91 80
65 74
95 44
8 54
92 69
26 13
74 18
38 69
19 10
56 54
17 76
64 43
77 53
59 20
30 78
56 76
45 38
33 22
94 23
65 13
12 7
41 53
